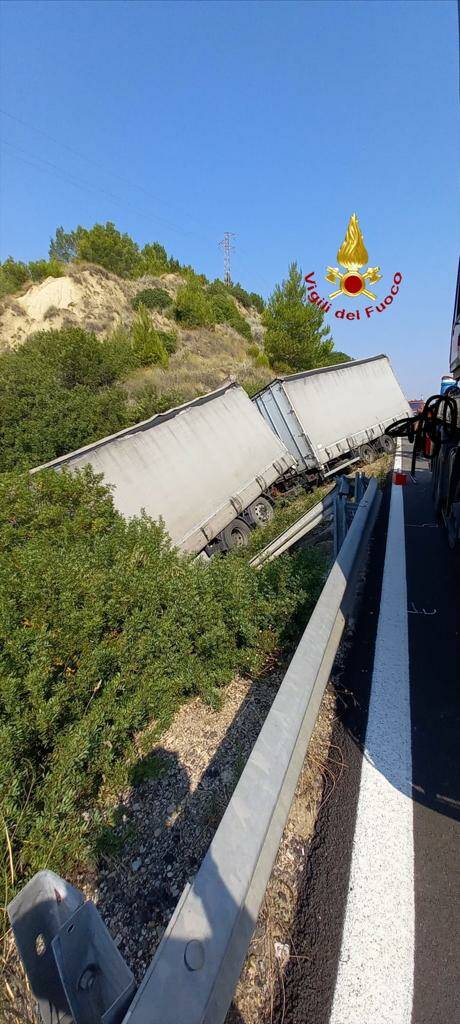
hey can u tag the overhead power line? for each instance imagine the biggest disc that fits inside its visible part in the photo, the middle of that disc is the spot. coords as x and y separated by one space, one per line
100 167
73 179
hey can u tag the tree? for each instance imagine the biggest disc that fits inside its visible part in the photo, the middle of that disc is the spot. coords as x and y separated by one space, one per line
339 357
64 245
296 334
153 259
105 245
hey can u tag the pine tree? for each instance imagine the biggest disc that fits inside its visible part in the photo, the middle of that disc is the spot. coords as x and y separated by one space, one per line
297 337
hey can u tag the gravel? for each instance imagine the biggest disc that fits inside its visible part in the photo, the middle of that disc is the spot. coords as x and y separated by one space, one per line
170 821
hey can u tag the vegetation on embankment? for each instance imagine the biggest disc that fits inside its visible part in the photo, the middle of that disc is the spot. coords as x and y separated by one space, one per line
62 389
104 629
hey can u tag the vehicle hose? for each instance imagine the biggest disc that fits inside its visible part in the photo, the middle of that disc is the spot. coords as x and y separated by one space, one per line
439 411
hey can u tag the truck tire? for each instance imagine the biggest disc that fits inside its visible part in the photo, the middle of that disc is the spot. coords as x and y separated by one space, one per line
260 512
367 454
387 444
236 534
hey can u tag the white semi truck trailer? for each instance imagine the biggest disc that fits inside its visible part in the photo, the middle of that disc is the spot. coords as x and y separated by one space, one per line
334 416
204 468
208 468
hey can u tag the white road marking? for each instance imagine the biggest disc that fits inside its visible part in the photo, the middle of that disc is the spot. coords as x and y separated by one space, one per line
375 974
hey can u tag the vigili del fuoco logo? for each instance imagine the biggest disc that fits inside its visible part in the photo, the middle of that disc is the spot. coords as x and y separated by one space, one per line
352 256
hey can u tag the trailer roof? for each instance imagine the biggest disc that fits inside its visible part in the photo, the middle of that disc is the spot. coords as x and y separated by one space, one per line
158 418
320 369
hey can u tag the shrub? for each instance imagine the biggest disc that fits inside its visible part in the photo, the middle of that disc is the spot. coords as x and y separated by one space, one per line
57 393
193 307
153 259
153 298
257 301
147 345
261 359
253 385
104 628
169 340
45 268
246 299
282 368
150 401
226 312
13 274
192 277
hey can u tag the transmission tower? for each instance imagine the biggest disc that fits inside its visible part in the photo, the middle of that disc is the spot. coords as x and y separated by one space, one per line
226 245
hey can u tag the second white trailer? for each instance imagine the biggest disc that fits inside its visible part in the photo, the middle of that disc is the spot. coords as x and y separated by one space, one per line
331 417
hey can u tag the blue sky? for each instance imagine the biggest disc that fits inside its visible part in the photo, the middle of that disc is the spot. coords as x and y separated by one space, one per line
276 121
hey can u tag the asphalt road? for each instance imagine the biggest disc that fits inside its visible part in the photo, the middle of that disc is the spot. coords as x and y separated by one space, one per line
377 936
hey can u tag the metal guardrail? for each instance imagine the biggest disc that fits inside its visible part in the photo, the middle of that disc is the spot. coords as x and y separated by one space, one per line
193 975
338 506
296 532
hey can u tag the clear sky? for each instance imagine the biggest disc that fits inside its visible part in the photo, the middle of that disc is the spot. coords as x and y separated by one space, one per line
275 120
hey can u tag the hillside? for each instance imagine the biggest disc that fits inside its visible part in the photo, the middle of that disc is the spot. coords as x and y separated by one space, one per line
90 297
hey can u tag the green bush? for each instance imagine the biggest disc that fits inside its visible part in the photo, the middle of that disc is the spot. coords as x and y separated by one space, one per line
193 307
153 259
193 277
105 245
147 345
58 391
247 299
251 386
45 268
103 629
13 274
153 298
169 340
261 359
257 301
150 402
226 312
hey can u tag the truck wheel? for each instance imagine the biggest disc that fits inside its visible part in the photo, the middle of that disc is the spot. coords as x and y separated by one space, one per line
367 454
387 444
260 512
236 534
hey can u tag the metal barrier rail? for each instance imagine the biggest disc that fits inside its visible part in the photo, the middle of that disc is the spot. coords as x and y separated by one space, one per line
294 533
336 507
78 974
196 968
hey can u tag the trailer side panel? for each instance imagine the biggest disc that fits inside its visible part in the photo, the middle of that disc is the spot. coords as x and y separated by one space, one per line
196 467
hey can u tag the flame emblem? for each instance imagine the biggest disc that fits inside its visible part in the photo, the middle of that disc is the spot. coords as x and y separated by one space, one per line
353 256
